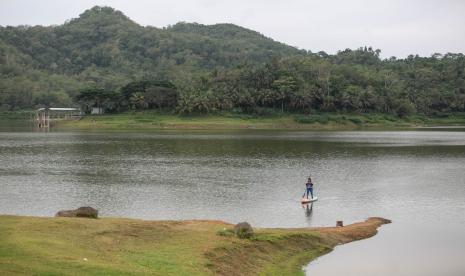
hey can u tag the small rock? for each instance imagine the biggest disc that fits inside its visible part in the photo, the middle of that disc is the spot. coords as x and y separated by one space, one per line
243 230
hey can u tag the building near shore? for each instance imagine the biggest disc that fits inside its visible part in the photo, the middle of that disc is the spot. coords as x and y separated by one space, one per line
45 115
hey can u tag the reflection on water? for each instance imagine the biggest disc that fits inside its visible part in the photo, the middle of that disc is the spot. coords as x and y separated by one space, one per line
308 208
414 178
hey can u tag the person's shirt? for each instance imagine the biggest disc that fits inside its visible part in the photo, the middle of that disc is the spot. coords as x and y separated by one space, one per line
309 185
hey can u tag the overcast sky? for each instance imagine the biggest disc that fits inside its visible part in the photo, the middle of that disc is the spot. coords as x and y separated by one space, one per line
397 27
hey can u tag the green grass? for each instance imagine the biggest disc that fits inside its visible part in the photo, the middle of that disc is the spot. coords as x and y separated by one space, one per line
324 121
108 246
153 119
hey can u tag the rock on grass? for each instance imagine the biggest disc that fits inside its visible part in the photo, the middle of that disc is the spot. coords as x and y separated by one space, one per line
81 212
243 230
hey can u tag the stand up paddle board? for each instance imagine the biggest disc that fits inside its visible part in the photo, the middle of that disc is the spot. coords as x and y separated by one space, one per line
308 200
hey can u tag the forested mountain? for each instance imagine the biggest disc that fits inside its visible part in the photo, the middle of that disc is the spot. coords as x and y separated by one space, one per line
206 68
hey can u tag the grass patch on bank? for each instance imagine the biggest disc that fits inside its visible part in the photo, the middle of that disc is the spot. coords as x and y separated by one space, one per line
109 246
156 120
230 120
355 120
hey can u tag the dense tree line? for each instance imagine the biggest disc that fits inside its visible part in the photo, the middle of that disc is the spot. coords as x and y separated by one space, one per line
104 59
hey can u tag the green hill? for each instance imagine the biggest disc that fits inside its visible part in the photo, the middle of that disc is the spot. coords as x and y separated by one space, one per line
104 47
106 39
209 68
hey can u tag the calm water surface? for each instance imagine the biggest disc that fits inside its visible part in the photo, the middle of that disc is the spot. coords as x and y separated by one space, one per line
415 178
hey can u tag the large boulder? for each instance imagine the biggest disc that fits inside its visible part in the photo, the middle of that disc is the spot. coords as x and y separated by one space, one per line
81 212
243 230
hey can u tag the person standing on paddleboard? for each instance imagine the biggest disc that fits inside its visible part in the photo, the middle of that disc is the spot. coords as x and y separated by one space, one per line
309 186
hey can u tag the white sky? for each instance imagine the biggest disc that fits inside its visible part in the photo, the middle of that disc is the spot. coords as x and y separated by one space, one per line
397 27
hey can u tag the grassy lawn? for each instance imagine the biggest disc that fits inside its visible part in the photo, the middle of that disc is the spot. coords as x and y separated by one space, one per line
110 246
325 121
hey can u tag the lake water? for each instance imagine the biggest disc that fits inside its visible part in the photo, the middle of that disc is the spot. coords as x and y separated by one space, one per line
414 178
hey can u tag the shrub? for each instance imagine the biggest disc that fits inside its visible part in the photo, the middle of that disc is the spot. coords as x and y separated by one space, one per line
405 108
356 121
